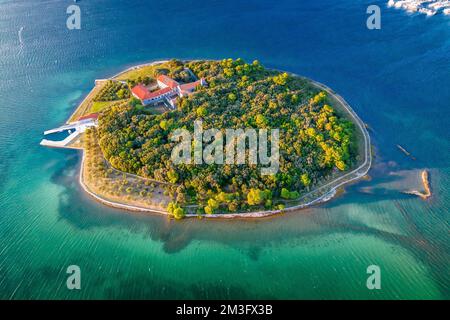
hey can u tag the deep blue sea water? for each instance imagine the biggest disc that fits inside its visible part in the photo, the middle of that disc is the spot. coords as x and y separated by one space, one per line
397 79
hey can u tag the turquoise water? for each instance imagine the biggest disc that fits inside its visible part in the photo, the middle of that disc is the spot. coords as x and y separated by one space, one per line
397 79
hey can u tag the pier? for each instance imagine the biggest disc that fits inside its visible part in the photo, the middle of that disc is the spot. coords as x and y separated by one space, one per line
78 128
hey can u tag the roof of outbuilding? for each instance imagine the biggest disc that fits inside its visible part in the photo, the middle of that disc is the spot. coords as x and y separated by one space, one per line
168 81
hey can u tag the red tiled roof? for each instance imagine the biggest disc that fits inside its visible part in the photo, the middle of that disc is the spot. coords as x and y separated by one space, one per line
167 81
141 92
190 86
158 93
89 116
144 94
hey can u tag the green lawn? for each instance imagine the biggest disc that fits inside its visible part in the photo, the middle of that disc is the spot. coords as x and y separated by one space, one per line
145 71
98 106
141 72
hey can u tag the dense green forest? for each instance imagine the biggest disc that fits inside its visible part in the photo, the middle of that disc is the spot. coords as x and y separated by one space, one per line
314 140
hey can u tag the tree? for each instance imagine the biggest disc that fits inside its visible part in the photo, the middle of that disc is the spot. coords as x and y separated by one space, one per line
163 124
232 97
175 210
285 194
179 213
318 98
341 165
289 195
257 196
147 80
134 102
261 121
172 176
121 93
228 72
281 79
201 111
305 179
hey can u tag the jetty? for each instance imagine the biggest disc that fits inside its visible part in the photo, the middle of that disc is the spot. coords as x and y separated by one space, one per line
74 129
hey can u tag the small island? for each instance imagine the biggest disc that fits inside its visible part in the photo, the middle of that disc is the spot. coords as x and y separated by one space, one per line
125 126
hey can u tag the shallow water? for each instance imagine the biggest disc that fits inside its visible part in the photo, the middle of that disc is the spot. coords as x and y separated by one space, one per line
396 79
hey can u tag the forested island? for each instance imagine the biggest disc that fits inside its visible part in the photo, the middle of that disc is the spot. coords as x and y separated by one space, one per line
127 156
